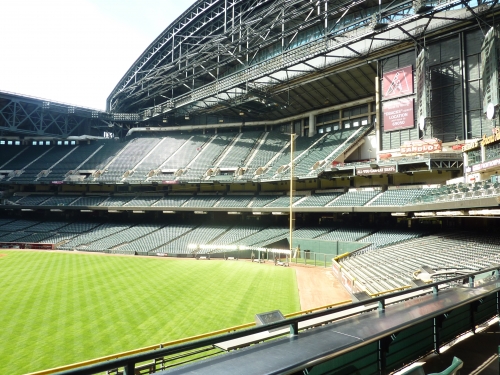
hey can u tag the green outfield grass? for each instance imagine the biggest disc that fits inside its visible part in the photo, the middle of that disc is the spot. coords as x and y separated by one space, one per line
61 308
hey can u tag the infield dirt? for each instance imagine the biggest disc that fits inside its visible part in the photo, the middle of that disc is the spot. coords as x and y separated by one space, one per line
318 287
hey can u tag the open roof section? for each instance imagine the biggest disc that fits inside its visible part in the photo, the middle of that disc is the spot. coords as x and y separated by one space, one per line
273 59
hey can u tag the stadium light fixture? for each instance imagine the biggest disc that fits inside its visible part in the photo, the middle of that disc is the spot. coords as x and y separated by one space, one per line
484 212
425 214
451 213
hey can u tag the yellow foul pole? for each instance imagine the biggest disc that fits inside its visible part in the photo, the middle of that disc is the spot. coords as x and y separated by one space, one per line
291 193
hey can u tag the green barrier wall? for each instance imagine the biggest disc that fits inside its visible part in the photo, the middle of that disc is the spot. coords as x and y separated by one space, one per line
326 247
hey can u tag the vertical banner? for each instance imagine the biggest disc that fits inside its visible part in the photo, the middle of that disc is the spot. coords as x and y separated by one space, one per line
398 114
397 83
489 69
423 107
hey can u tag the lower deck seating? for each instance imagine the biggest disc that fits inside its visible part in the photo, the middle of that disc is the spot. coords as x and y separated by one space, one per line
97 233
354 198
345 234
152 241
200 235
394 266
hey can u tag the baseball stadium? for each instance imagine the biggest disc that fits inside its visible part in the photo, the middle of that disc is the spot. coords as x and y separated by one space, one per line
275 187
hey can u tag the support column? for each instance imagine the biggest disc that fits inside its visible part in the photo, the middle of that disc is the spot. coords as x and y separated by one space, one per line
129 369
436 325
312 125
378 119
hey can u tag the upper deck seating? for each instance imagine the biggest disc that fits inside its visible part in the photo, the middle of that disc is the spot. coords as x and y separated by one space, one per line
75 156
240 150
22 159
102 157
152 162
182 157
329 148
130 156
301 145
8 152
206 158
37 164
266 148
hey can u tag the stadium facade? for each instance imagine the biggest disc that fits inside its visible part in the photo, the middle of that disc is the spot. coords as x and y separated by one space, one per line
390 108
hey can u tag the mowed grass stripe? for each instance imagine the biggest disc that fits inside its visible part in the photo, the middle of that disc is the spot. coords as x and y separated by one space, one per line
61 308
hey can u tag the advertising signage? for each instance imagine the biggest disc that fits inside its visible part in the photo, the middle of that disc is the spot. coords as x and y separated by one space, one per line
385 169
397 83
398 114
483 166
421 146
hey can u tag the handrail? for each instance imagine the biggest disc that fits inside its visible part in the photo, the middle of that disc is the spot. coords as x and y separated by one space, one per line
341 256
175 342
390 291
178 346
303 312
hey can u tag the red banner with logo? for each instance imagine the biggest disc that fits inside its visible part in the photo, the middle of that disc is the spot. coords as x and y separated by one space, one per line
397 83
398 114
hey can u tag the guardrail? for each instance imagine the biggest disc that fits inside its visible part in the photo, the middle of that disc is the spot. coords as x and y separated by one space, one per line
176 342
128 360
